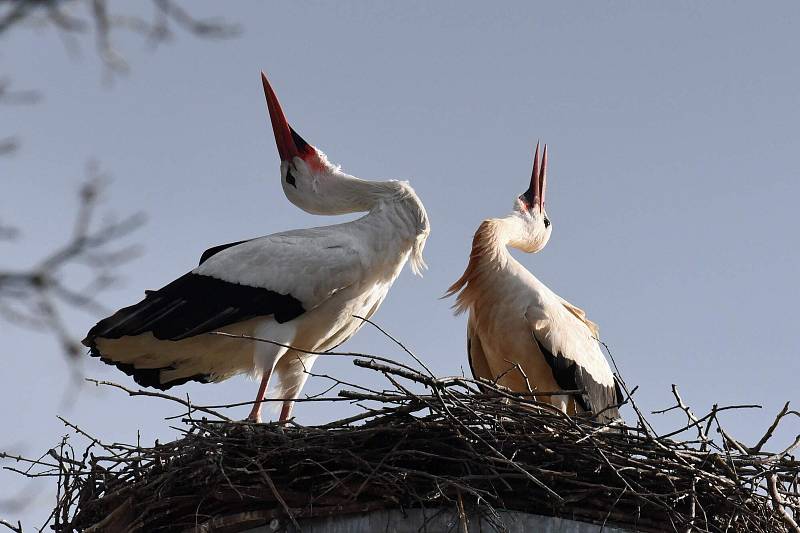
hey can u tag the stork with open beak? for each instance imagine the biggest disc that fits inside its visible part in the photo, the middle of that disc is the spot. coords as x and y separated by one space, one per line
519 332
299 289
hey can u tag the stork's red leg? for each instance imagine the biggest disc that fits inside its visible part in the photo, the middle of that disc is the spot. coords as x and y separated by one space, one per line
255 413
286 410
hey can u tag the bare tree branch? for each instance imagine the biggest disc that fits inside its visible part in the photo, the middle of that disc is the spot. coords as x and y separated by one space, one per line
71 275
36 297
97 19
16 528
12 97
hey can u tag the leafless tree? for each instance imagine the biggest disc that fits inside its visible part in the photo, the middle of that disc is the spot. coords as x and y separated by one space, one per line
96 18
69 275
37 296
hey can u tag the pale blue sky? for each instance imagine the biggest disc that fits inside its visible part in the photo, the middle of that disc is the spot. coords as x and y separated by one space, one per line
673 138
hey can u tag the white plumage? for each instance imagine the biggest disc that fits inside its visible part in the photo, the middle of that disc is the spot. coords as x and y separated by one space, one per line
299 288
519 332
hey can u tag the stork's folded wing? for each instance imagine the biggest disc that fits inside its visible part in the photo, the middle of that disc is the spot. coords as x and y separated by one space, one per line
308 264
283 275
577 363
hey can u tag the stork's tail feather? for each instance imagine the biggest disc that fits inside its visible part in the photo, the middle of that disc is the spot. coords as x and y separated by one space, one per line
149 377
162 341
613 398
119 340
131 340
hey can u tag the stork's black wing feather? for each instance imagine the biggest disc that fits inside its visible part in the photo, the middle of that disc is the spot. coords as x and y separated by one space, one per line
194 304
214 250
569 375
280 276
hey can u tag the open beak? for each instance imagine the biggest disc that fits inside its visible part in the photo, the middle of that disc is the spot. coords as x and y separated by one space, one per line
534 196
290 144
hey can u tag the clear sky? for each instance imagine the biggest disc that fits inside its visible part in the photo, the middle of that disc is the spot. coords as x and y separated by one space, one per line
673 140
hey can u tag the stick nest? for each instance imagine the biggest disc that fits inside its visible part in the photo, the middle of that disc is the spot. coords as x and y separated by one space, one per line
454 444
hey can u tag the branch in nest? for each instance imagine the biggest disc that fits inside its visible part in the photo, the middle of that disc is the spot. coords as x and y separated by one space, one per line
16 528
434 443
779 504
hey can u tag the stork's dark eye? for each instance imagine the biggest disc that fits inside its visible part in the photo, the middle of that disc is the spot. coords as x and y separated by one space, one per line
290 179
546 222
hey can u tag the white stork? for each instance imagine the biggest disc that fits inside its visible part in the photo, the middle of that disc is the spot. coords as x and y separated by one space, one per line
521 333
297 288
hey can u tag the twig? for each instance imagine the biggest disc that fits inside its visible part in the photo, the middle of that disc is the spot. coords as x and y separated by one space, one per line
771 430
186 403
779 504
278 496
400 344
16 528
96 18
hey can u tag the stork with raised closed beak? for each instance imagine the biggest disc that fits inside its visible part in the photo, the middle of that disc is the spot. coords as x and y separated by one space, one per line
299 289
519 332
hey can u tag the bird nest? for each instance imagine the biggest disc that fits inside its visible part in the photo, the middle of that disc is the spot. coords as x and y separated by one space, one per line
468 447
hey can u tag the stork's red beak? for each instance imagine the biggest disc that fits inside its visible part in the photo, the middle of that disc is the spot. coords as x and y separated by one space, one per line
290 144
535 193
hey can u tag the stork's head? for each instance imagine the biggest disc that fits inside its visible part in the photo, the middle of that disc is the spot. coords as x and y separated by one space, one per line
529 208
306 174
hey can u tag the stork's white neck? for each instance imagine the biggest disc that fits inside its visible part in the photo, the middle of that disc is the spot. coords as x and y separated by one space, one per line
325 190
394 203
495 235
348 194
392 206
511 231
394 211
488 257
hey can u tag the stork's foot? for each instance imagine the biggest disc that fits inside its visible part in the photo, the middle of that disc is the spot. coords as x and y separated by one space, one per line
254 416
255 413
286 412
